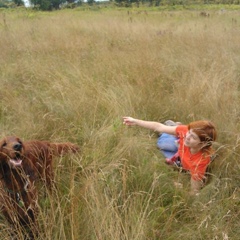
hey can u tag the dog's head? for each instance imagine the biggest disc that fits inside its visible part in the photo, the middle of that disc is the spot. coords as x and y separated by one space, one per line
11 151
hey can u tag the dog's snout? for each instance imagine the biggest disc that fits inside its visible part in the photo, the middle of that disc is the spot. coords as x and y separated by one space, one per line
17 147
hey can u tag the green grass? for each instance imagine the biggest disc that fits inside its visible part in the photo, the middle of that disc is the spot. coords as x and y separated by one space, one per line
72 75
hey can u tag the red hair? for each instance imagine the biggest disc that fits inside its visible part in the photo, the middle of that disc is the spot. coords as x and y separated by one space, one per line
206 132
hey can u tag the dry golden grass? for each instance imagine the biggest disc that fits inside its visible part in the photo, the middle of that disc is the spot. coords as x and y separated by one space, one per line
72 75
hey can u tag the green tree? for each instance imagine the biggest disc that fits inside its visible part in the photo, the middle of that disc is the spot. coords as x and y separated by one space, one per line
91 2
47 5
3 4
18 2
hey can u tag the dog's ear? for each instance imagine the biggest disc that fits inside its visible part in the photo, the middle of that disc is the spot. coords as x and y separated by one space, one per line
2 143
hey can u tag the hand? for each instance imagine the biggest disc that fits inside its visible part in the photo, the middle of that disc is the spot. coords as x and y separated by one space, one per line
129 121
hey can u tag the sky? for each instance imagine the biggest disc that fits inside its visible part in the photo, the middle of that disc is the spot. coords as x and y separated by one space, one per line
26 3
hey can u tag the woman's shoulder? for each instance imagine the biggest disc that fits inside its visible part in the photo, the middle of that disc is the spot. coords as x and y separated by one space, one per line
181 129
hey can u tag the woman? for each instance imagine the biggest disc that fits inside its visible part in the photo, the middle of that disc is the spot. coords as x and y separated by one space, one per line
195 145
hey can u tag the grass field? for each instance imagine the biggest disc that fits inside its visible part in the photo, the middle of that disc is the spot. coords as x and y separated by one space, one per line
71 75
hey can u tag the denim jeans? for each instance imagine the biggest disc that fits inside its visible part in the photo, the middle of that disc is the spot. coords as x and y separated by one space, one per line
168 145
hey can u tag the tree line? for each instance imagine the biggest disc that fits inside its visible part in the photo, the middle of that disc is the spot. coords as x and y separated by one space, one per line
49 5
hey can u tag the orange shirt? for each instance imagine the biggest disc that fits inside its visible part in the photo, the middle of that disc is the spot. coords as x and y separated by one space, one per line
195 163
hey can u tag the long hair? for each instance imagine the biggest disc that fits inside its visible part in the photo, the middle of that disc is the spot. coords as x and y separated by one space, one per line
206 132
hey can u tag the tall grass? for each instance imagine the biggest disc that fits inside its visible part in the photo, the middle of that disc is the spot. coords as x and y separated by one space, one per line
72 75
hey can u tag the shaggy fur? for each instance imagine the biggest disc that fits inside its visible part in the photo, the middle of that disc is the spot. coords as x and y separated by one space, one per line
21 165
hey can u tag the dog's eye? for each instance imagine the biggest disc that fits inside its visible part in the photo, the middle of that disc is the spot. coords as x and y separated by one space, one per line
4 144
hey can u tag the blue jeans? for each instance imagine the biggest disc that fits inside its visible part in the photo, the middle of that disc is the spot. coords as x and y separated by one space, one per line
167 144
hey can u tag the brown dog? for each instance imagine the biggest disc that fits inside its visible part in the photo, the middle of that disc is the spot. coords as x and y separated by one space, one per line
21 165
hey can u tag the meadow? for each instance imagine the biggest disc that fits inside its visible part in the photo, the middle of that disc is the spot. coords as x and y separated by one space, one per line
72 75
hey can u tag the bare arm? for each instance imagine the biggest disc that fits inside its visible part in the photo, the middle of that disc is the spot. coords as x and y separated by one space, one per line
155 126
196 186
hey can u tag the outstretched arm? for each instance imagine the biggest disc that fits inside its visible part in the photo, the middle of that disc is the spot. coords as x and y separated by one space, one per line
155 126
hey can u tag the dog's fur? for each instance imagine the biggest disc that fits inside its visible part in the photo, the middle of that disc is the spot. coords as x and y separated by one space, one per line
21 165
